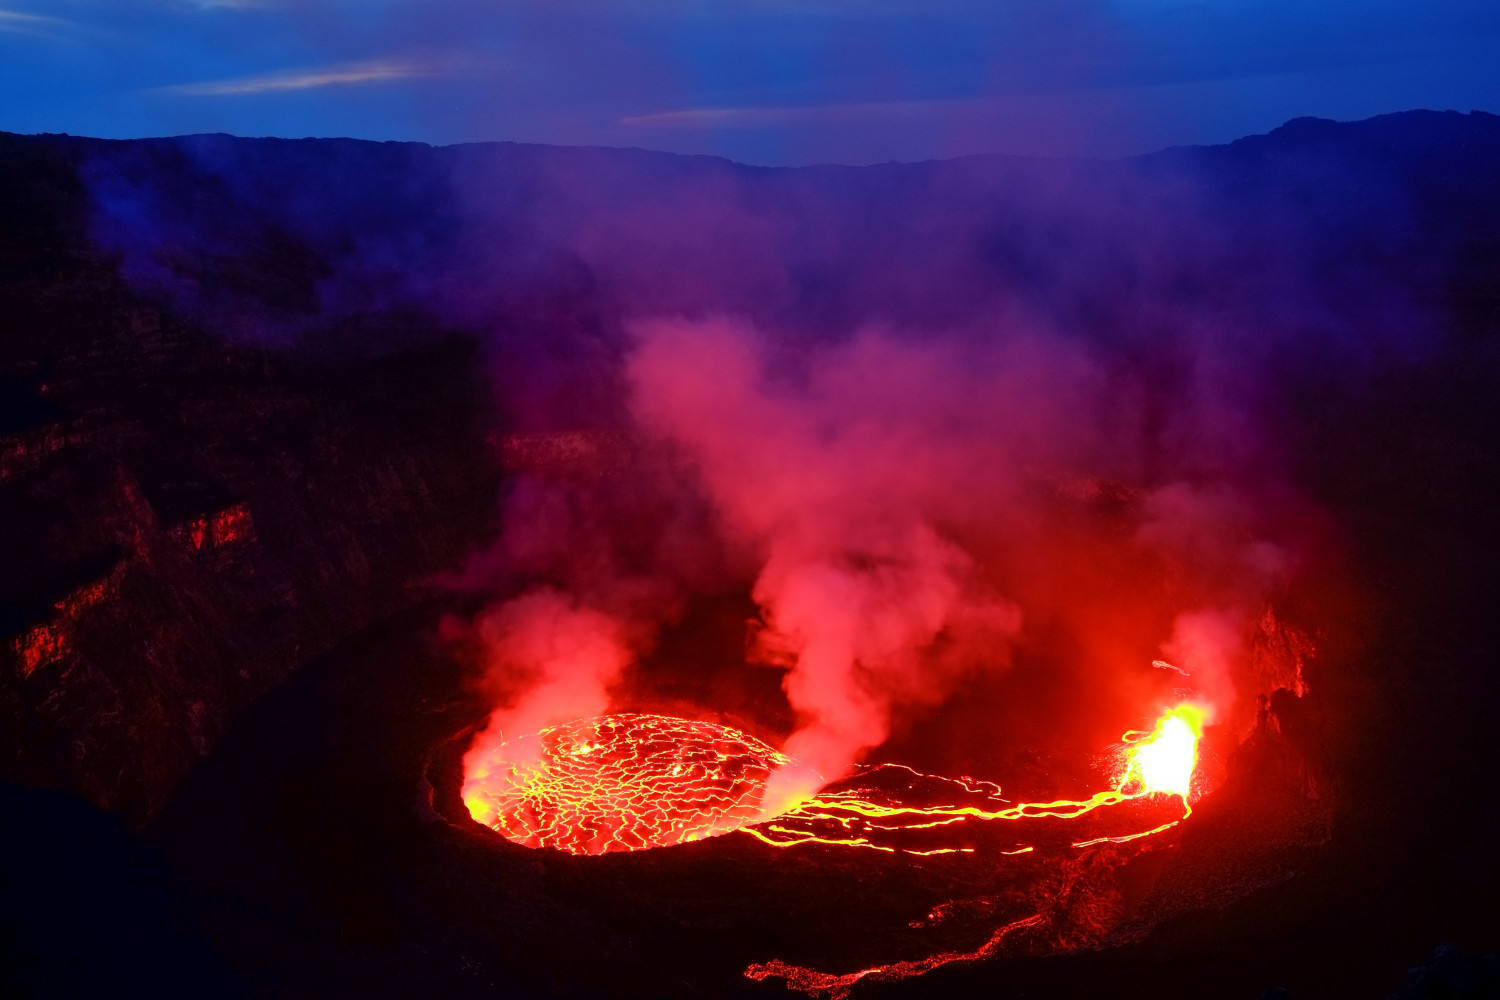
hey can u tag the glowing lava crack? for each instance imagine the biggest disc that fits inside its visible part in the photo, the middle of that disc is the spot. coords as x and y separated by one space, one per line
619 783
1158 765
629 782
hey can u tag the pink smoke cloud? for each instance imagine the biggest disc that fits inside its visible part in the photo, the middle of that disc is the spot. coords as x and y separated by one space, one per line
903 509
862 478
899 499
567 656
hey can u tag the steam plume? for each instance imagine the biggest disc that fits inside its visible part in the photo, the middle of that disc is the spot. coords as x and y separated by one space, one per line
961 411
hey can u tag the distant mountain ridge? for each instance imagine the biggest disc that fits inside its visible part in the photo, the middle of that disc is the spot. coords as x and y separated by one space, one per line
311 240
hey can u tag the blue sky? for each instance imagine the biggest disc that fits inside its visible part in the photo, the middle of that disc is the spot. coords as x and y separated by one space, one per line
761 81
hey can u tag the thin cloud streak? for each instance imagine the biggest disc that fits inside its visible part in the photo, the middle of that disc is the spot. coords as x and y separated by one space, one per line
768 115
776 115
345 74
29 24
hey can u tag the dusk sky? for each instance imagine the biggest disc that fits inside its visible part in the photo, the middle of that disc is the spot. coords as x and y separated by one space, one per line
761 81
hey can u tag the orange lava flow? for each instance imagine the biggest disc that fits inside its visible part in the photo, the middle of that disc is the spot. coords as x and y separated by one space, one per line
1160 762
838 986
619 783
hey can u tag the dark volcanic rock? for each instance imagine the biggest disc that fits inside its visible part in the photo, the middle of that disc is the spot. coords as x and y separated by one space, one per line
184 522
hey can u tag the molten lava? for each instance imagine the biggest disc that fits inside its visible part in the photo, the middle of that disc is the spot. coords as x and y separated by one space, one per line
629 782
620 783
1155 767
1155 764
1164 759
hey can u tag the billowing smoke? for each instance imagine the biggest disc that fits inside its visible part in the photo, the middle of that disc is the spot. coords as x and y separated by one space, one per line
898 493
850 478
594 558
900 505
935 421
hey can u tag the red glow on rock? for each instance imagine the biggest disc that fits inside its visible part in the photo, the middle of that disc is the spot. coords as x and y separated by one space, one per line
230 526
41 644
52 640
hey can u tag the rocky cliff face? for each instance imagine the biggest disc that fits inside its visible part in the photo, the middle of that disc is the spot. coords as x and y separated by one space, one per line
183 522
